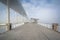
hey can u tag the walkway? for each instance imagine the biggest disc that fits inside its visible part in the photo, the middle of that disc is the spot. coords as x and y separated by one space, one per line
30 31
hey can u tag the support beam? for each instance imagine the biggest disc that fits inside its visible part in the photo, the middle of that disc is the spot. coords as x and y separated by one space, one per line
16 6
8 15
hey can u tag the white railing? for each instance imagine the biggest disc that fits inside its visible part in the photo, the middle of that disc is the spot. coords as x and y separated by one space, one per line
3 28
3 24
58 28
46 25
49 26
17 25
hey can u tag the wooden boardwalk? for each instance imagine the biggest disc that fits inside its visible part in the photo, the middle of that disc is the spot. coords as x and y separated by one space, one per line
30 31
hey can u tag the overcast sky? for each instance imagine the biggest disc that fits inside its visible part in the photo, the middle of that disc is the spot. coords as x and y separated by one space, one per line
48 11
